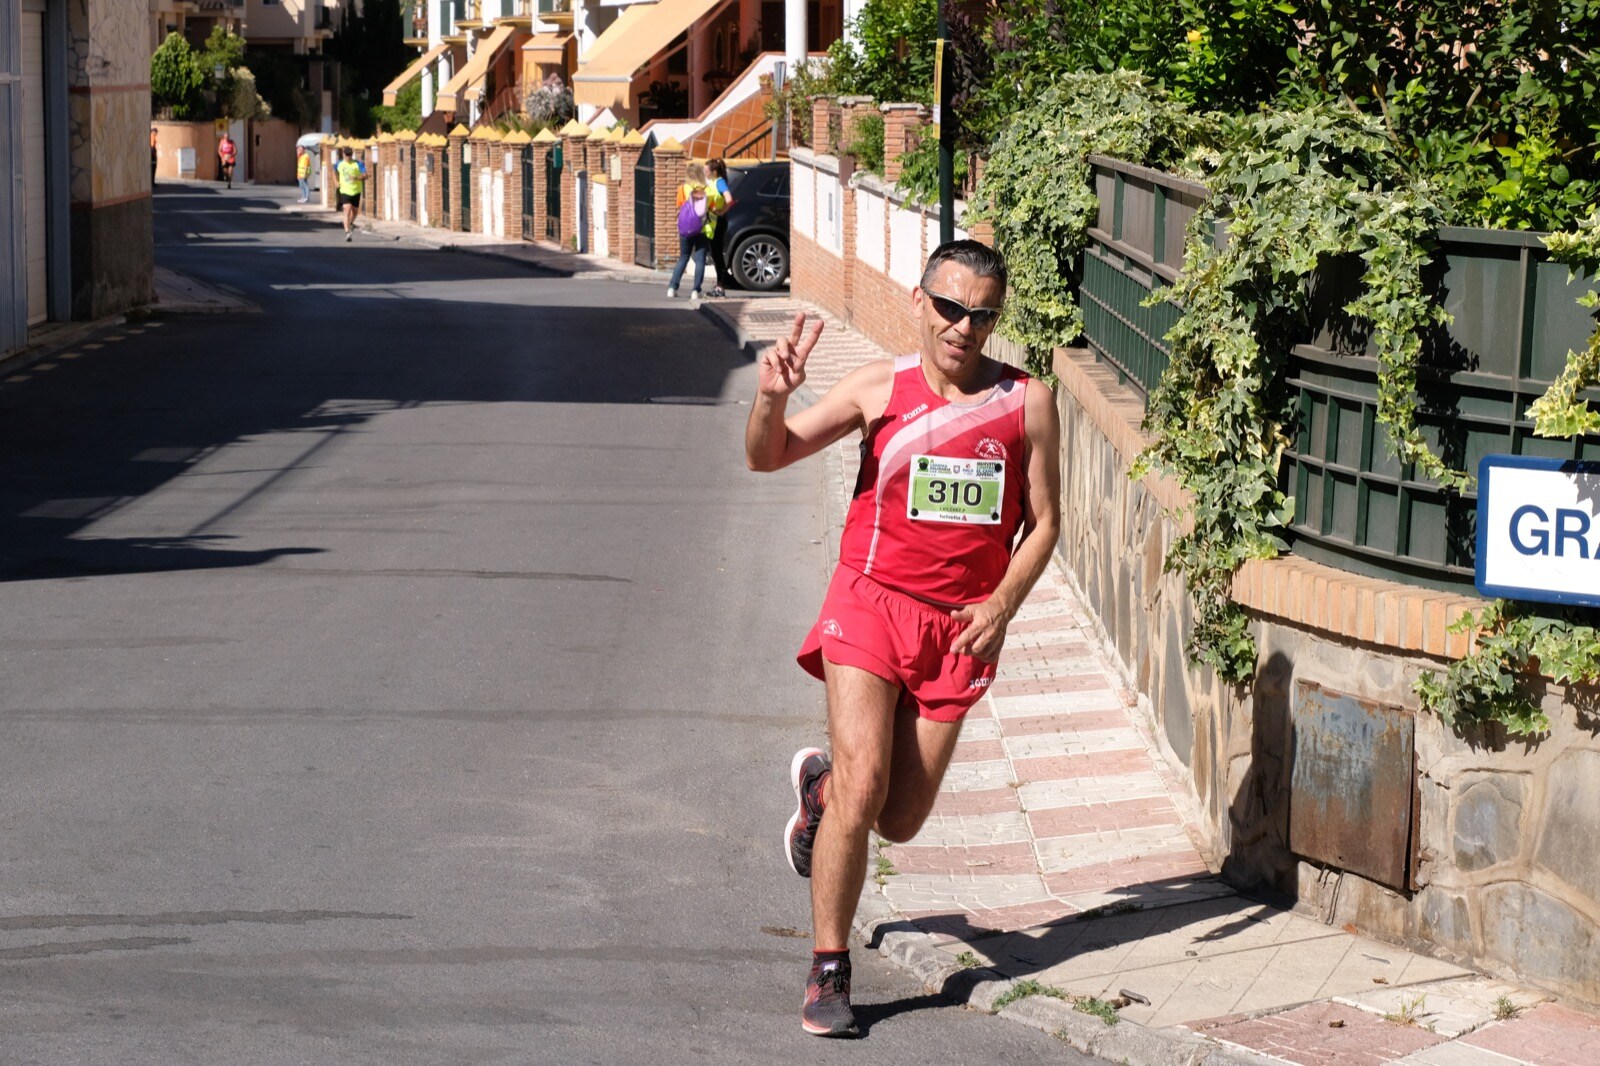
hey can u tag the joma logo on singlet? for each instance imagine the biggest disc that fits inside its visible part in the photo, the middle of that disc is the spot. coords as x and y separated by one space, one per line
913 413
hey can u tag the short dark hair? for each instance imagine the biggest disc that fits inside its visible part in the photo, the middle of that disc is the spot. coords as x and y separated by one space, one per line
345 151
982 260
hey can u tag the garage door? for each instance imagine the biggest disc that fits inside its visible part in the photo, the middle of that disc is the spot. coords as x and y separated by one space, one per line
33 161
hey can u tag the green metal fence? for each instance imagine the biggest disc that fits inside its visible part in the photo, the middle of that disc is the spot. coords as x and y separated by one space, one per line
1357 508
1135 247
1515 318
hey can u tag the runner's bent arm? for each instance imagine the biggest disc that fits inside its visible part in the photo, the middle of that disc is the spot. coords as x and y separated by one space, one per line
1041 525
771 440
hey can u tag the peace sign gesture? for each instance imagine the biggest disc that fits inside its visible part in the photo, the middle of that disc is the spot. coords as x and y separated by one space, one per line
783 367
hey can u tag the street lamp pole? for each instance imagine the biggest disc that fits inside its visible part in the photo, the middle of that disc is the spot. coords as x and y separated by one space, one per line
945 124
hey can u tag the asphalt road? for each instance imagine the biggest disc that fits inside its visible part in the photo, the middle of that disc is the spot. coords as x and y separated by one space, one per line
402 675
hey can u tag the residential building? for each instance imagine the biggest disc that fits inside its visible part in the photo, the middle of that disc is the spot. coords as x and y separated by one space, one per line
75 222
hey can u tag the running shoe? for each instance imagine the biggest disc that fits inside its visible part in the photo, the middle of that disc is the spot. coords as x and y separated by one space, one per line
806 771
672 294
826 1011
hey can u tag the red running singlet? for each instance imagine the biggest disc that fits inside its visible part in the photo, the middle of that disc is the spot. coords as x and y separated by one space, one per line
951 544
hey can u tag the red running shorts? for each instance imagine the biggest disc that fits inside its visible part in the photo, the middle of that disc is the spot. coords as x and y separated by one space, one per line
900 639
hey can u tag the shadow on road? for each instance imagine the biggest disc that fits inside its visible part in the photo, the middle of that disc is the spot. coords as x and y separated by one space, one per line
347 333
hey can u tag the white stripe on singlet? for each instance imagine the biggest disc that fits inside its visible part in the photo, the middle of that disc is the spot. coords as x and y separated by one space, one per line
932 429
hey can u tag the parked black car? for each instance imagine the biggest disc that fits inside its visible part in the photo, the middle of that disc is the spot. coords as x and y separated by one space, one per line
758 225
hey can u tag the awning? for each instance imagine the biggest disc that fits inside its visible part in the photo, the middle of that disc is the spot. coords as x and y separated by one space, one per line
473 71
606 76
548 48
412 72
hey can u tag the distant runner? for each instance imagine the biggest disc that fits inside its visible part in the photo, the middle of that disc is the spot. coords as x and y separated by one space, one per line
954 517
227 154
352 179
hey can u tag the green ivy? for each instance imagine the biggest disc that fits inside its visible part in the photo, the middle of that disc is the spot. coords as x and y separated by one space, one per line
1494 682
1037 194
866 143
1562 411
919 172
1294 191
1515 645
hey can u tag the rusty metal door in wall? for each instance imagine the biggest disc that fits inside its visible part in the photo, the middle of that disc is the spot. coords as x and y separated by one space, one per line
1352 787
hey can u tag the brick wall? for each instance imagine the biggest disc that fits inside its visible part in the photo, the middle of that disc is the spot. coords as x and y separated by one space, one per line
869 299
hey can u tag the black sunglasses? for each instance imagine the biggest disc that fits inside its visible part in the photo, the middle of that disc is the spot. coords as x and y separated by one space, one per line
953 311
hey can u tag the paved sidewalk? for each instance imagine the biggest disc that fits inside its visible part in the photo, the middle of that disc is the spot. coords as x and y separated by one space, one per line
1060 853
1059 860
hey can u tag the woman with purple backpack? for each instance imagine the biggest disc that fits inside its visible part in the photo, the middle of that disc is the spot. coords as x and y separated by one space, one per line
697 220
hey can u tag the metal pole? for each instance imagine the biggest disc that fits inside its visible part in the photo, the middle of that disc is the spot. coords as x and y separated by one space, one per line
947 194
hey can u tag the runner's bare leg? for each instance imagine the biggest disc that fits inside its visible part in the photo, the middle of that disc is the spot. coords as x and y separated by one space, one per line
861 713
922 751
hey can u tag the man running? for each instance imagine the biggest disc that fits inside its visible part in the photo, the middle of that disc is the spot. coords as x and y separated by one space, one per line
954 517
352 179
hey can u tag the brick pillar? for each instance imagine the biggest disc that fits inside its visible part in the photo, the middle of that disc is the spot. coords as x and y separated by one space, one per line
330 156
574 151
595 154
823 108
614 170
543 145
852 109
454 148
388 165
902 131
514 144
405 146
434 158
628 150
671 163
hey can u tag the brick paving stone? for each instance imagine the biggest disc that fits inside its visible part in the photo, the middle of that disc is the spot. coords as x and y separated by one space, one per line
991 827
1044 795
979 725
975 858
975 801
1455 1053
1303 1035
1059 854
1106 699
1045 623
958 928
1101 817
1078 767
1072 742
1078 722
974 776
1175 868
1549 1034
978 751
908 893
1091 677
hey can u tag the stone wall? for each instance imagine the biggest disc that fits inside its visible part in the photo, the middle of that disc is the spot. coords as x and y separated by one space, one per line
108 120
1501 870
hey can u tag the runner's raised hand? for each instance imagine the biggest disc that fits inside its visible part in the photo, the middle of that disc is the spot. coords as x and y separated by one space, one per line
782 367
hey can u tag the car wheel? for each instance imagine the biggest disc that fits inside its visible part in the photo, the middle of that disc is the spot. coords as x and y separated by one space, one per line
761 262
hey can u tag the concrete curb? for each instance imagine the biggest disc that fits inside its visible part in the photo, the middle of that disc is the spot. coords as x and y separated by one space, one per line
1127 1042
63 336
